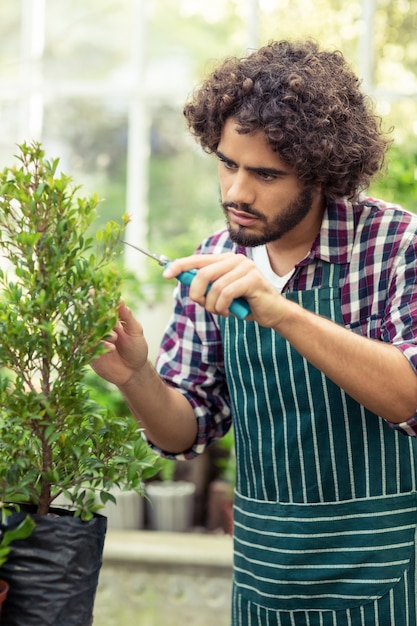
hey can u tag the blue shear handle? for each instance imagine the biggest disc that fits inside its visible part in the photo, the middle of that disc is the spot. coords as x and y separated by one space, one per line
239 307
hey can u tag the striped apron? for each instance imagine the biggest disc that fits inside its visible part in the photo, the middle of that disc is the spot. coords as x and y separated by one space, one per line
325 503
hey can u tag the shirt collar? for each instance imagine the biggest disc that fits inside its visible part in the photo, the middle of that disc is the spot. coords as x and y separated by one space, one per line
334 242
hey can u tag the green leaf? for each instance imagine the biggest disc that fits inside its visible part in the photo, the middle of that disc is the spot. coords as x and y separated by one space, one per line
22 531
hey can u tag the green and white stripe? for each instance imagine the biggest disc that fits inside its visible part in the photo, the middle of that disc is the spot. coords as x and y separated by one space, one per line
325 507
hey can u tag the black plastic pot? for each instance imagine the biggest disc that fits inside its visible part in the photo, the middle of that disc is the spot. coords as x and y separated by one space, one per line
53 575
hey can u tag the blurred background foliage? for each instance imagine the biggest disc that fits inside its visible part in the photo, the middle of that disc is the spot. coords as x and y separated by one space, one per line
102 82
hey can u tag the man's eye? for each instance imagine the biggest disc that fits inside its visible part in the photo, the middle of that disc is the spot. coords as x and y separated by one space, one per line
267 176
228 164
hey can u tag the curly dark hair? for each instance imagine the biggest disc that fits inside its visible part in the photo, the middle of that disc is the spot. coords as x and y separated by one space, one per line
309 105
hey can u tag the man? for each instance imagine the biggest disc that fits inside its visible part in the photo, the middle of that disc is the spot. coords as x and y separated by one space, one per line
320 379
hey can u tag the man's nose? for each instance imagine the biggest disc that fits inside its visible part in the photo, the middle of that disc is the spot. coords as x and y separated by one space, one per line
240 190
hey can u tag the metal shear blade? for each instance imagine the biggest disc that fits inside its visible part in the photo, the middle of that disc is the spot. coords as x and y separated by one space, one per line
159 258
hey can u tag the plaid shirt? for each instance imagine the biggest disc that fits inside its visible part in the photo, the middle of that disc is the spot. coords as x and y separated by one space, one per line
375 245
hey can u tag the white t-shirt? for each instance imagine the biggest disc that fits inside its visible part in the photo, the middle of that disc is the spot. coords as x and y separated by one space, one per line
261 259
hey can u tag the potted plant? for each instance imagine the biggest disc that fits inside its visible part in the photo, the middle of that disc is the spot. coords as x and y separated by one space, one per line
170 502
58 299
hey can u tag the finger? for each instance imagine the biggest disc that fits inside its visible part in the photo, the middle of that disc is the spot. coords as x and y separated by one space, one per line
109 346
110 338
127 321
224 290
195 261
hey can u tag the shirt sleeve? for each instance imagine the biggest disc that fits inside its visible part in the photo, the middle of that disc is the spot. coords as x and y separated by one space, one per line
191 359
406 428
401 314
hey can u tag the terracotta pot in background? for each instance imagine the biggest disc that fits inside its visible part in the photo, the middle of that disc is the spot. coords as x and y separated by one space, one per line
4 588
220 507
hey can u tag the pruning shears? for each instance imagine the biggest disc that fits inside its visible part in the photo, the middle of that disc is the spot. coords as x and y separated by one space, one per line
239 307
